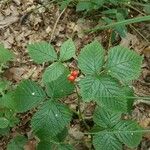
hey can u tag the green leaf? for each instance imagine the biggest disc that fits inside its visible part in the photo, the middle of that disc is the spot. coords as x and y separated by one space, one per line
106 141
105 90
3 122
4 131
64 4
60 87
105 118
129 93
59 138
42 52
65 147
17 143
67 50
5 54
51 118
147 8
7 101
124 64
4 84
28 94
45 145
121 29
129 132
91 58
81 6
53 72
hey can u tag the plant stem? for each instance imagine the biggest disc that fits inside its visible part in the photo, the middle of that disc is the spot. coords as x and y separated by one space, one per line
124 22
79 108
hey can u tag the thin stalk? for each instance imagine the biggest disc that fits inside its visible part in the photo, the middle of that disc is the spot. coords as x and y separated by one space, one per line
79 108
139 33
123 22
134 8
138 4
55 25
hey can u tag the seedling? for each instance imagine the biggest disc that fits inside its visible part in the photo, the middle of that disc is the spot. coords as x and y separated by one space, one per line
103 79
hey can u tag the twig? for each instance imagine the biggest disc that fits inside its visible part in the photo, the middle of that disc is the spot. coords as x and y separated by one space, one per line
131 26
55 25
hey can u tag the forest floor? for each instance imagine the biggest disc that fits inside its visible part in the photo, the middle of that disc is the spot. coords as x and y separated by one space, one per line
18 28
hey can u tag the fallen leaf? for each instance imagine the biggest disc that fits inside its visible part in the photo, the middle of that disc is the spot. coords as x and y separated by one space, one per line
8 21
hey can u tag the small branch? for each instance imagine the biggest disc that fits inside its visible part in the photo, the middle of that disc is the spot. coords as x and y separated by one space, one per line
55 25
131 26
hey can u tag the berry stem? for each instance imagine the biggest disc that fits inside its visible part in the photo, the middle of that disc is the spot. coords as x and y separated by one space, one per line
79 108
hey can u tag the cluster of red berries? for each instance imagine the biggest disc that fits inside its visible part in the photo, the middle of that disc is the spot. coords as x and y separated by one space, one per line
73 75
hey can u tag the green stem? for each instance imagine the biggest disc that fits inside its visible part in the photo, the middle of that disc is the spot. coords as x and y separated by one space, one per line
79 108
124 22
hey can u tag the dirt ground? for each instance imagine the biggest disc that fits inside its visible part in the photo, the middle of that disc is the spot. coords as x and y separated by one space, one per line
19 26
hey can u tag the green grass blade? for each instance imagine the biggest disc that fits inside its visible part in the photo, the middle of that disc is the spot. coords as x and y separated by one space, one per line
124 22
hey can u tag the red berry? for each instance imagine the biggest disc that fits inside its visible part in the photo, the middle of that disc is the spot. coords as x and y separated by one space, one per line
75 73
71 78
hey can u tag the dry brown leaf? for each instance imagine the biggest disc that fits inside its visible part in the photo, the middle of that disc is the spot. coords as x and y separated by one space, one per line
8 21
146 52
75 133
31 145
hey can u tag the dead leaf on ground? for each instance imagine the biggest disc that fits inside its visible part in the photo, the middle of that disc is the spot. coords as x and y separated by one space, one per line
75 133
8 21
31 145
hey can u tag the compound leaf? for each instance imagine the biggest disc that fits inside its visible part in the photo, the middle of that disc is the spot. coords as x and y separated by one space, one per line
51 118
91 58
17 143
42 52
67 50
27 95
124 64
105 90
